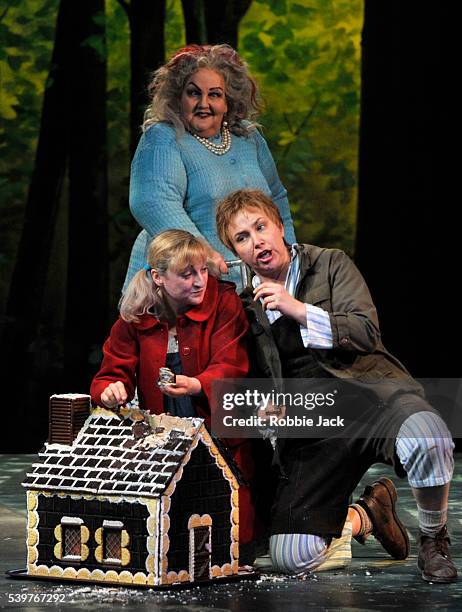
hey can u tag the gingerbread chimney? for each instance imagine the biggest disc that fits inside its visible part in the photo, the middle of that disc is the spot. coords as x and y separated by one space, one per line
67 414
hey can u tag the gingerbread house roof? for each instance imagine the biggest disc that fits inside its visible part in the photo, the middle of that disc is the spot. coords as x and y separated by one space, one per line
130 453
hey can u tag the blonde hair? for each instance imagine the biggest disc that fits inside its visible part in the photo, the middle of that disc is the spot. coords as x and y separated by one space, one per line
171 250
239 200
168 82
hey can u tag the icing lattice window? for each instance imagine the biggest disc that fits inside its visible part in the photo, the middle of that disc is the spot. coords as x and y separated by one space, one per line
72 542
112 541
71 538
112 545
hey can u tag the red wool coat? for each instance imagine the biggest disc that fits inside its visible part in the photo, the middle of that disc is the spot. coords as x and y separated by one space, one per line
211 339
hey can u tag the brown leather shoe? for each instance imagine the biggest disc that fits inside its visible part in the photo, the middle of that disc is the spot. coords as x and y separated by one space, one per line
434 558
379 500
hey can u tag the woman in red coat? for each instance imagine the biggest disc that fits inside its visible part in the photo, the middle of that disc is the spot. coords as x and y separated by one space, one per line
175 314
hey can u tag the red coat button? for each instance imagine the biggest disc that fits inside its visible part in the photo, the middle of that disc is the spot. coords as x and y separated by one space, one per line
182 322
185 350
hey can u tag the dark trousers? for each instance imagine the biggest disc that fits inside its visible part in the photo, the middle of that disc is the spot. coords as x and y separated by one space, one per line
318 476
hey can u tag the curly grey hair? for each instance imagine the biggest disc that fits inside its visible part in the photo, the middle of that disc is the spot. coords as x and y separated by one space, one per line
168 82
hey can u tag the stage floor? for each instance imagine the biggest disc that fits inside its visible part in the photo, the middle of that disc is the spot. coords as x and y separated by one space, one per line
373 580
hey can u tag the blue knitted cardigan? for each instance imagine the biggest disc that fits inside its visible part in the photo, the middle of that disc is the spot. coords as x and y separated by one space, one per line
177 183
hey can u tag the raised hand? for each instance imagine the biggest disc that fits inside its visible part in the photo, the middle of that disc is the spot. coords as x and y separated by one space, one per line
114 395
276 297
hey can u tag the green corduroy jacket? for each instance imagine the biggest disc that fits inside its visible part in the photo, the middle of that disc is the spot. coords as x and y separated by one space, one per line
330 280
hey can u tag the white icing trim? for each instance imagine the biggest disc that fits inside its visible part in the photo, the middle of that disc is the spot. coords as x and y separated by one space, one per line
70 395
113 561
113 524
71 520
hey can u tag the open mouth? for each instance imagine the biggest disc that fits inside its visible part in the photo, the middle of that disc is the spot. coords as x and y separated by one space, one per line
265 256
202 115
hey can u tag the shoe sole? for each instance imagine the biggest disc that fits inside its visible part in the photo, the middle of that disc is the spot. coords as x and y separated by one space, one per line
391 489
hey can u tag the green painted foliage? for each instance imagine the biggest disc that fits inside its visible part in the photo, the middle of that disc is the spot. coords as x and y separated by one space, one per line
306 57
174 28
26 42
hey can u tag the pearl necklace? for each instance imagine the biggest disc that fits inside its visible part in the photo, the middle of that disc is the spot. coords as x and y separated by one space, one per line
217 149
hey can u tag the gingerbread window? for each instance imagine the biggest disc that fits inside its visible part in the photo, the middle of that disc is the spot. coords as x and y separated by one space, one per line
112 542
71 538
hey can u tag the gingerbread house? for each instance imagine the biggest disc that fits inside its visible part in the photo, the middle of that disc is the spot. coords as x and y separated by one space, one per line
134 499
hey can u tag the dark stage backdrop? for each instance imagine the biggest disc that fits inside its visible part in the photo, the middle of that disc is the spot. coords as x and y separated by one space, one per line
73 93
408 244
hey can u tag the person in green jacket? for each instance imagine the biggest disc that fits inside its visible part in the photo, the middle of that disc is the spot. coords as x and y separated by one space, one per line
311 316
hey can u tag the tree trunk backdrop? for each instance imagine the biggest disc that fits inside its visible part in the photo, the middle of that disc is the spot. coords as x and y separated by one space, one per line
27 288
213 23
87 274
147 53
73 137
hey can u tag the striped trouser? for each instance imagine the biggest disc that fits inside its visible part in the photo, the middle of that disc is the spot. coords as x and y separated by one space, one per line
300 552
425 449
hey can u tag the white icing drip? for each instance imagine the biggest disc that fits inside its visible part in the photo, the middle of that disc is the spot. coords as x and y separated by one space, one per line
70 395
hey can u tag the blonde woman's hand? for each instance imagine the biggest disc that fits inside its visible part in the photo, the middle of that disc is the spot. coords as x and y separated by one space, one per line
184 385
114 395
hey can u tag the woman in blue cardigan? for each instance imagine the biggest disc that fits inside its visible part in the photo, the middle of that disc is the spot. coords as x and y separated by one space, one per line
199 144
